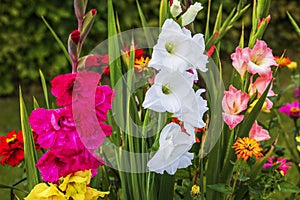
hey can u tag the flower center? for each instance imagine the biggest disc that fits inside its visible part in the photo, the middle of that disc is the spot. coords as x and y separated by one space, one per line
165 89
170 47
294 110
10 140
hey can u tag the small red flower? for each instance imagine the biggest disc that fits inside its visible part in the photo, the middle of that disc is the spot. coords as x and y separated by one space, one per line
12 148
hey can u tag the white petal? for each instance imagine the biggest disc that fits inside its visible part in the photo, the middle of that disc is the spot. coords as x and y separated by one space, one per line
152 99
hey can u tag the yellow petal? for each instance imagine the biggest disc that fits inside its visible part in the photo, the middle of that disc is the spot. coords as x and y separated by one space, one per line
44 192
93 194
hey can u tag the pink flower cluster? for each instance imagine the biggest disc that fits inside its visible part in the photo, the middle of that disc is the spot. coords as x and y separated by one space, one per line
257 63
283 167
58 129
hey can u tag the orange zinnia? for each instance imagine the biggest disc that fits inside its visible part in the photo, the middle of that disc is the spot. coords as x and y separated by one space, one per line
282 61
246 147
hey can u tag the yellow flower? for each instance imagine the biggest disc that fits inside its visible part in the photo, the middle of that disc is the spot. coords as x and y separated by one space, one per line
75 184
246 147
93 194
298 138
263 109
195 190
141 64
44 192
292 65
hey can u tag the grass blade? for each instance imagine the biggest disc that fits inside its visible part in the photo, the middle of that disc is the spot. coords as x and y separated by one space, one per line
163 12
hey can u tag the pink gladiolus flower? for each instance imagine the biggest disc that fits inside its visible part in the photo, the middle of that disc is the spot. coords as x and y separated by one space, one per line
233 103
260 85
292 110
240 60
261 59
283 167
258 133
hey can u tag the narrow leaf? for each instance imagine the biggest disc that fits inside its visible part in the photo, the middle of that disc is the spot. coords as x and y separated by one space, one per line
113 46
29 147
163 12
59 42
148 35
44 86
289 187
223 188
294 23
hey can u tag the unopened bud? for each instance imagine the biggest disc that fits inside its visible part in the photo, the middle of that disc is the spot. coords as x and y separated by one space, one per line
175 8
75 36
191 13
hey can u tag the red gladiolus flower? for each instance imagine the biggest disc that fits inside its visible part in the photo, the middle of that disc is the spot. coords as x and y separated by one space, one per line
12 148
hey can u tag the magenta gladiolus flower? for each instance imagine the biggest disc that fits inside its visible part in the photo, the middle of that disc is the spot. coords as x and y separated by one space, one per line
292 110
55 164
233 103
283 167
63 86
258 133
55 129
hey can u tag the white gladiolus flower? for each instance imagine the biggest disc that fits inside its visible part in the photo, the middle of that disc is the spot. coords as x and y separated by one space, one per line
191 13
193 110
177 50
175 9
173 152
169 92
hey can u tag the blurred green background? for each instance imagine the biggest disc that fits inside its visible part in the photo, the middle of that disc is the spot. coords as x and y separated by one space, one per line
27 45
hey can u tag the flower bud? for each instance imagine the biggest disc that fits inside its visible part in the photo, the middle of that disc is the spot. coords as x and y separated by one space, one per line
175 8
79 7
75 36
190 15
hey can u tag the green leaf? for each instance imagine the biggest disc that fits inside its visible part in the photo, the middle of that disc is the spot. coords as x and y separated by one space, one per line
59 42
220 187
294 23
113 46
148 35
44 86
10 187
163 12
35 103
29 147
250 117
289 187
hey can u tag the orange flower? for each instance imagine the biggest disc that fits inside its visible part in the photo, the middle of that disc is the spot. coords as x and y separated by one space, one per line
282 61
141 64
246 147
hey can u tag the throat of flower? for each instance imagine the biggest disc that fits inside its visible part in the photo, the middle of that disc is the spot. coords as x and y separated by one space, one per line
165 89
170 47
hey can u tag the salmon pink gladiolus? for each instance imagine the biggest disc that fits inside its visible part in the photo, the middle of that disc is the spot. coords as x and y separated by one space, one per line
258 133
261 59
234 102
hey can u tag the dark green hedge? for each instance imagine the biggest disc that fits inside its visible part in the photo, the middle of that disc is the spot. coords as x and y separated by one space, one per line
27 45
